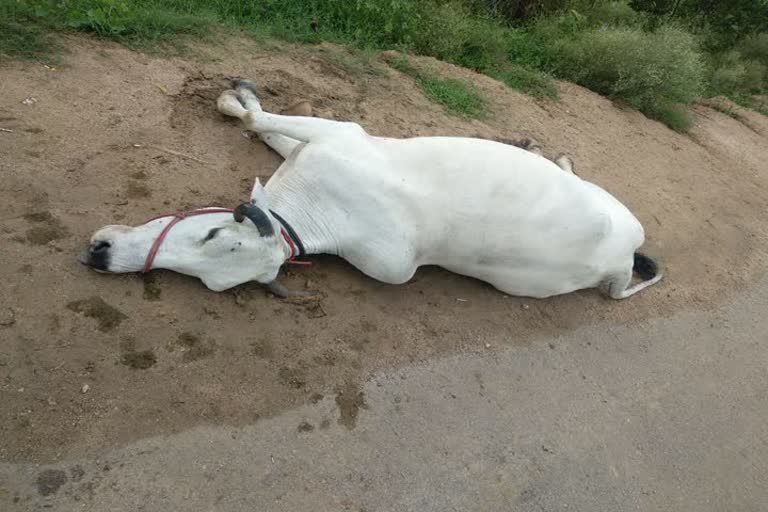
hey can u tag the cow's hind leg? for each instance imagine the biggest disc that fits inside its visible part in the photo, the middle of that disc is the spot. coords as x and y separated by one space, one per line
303 129
565 163
530 144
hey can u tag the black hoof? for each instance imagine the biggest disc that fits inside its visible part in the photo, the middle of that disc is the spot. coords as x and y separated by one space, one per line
245 84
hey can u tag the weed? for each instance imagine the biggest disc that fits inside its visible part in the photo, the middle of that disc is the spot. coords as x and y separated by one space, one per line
535 83
21 37
356 63
22 40
457 97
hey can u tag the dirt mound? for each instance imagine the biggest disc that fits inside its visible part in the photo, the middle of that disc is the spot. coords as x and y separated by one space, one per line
116 136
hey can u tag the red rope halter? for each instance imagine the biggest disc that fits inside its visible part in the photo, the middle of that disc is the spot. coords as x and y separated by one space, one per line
178 217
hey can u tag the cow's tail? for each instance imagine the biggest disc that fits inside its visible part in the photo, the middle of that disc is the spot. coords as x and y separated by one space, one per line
645 267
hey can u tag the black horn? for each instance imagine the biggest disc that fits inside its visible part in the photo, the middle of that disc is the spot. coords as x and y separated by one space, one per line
257 216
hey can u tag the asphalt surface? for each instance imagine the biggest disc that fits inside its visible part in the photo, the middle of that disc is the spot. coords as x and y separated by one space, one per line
668 415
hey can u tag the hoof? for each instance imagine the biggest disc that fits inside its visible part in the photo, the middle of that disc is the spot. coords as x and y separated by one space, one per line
531 144
245 84
565 163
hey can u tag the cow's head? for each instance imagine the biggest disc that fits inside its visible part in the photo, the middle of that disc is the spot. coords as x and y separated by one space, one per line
222 249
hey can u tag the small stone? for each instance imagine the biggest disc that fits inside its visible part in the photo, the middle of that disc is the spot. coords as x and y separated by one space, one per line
85 388
305 426
487 345
301 108
29 101
7 317
525 306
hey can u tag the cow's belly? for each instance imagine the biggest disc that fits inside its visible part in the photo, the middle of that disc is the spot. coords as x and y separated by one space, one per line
533 281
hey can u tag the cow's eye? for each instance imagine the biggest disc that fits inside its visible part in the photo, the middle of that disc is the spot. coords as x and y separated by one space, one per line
211 234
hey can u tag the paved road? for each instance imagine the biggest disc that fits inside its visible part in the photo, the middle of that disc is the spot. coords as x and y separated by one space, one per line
671 415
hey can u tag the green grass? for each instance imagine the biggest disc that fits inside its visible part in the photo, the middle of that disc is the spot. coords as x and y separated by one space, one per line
456 97
22 40
445 30
359 64
24 24
605 45
529 81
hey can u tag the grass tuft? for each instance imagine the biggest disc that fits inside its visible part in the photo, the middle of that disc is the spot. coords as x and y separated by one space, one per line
536 83
354 62
456 97
22 41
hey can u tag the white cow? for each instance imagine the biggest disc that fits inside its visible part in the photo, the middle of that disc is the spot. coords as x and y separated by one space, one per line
388 206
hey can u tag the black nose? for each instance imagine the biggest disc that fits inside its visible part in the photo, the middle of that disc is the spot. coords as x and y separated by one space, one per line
99 247
97 255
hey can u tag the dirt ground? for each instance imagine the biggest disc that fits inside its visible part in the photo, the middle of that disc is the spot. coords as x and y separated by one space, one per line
89 361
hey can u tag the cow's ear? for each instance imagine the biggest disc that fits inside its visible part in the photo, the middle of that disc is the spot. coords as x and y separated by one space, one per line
259 196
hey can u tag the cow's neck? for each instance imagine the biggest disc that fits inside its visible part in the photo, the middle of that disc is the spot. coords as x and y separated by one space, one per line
312 224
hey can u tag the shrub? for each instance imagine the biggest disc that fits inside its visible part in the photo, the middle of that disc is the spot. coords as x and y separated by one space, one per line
449 32
651 71
731 74
755 48
614 14
724 21
527 49
517 10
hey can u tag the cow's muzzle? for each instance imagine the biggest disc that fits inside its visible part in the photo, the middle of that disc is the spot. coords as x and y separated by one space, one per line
96 256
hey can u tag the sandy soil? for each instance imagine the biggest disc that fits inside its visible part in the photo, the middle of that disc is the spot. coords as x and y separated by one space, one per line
89 361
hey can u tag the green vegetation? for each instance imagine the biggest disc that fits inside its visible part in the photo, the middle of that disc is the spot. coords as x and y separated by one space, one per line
131 23
456 97
354 62
656 55
530 81
653 72
21 40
